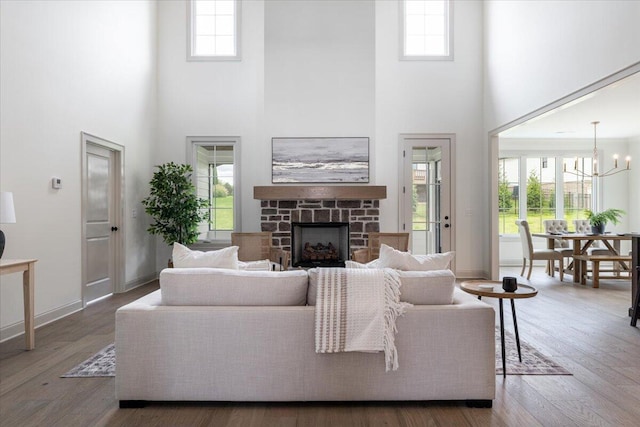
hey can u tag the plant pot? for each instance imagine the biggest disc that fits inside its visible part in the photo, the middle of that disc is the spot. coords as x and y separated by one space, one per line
597 229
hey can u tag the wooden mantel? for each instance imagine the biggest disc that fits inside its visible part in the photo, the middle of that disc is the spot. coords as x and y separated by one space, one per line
318 192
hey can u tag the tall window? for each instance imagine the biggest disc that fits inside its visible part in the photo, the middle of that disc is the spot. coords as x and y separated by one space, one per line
539 188
541 191
577 190
508 194
214 28
216 175
426 29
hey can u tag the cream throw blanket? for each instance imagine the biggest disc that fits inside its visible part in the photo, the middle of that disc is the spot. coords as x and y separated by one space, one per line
356 310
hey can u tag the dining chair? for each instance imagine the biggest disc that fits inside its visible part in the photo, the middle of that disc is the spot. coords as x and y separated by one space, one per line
563 246
399 241
528 253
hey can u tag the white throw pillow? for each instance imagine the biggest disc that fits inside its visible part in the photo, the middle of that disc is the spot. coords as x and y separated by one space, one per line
183 257
354 264
392 258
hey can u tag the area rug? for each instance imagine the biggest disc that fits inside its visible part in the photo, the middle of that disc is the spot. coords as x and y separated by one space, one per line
103 363
533 362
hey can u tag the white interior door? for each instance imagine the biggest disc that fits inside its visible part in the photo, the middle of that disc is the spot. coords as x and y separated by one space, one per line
101 219
426 210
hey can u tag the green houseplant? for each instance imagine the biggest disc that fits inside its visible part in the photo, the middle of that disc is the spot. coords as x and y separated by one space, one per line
173 204
599 220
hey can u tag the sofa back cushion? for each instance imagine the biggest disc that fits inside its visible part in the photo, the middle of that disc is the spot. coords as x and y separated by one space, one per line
417 287
393 258
218 286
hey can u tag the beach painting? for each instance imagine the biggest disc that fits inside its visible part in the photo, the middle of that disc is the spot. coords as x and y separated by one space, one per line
318 160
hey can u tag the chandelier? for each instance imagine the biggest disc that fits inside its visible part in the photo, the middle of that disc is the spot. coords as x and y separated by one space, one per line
596 172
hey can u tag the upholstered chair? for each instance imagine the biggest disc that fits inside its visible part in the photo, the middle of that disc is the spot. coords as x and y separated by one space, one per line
257 246
583 226
528 253
552 226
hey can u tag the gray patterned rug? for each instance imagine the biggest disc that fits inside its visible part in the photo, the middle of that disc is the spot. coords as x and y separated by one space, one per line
103 363
533 362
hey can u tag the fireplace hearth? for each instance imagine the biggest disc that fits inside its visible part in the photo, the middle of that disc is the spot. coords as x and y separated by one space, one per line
319 244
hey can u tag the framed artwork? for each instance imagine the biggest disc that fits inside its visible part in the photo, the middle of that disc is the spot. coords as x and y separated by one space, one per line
320 160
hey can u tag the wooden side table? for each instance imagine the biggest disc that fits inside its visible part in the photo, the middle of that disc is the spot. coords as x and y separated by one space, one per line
476 287
27 267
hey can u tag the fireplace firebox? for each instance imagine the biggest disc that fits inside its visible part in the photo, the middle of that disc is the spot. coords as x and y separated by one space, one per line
319 244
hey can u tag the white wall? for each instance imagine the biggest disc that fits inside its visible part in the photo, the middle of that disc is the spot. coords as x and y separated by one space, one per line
540 51
319 70
436 97
67 67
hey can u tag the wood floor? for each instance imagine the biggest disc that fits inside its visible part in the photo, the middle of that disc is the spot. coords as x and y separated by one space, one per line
586 330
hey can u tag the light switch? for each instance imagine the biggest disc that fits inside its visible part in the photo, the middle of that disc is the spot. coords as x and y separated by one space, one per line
56 183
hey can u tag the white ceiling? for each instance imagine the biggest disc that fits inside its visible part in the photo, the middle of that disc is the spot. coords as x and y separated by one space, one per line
616 107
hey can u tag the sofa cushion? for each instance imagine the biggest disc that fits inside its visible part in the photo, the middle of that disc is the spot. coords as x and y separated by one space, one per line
183 257
354 264
392 258
217 286
417 287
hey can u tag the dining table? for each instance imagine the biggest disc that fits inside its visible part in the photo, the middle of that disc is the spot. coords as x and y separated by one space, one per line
582 242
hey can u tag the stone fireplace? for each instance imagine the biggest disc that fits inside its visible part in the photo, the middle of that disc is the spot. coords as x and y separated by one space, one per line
356 206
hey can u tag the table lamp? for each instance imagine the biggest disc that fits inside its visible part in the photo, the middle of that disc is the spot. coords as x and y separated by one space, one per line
7 214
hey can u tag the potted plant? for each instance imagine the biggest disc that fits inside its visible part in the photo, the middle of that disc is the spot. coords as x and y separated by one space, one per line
599 220
173 204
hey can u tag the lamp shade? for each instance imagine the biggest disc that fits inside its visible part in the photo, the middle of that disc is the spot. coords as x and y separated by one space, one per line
7 211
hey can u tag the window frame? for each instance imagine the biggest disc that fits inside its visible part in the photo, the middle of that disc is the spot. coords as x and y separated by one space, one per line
523 177
196 141
448 34
191 57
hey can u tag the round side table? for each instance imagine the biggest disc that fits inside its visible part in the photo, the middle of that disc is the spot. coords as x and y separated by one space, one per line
493 289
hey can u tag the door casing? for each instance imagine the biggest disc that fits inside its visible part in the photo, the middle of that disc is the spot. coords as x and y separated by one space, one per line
118 206
406 141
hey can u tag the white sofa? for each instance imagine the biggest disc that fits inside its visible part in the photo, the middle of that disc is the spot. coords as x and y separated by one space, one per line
195 339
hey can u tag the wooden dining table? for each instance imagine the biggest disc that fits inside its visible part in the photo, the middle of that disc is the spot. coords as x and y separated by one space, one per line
582 242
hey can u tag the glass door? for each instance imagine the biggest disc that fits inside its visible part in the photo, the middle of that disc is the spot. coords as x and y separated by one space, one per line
426 198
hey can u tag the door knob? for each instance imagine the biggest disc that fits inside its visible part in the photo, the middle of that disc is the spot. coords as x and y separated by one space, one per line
446 226
114 228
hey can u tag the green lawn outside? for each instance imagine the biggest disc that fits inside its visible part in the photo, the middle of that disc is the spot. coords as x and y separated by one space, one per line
507 221
420 216
222 214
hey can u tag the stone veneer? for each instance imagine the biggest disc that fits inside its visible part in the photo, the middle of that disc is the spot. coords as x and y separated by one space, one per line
363 217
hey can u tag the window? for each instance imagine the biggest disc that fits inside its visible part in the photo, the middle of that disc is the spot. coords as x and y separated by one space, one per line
214 28
426 29
216 176
508 195
538 188
577 189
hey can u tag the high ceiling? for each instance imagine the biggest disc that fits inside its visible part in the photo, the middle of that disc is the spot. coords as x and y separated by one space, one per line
616 107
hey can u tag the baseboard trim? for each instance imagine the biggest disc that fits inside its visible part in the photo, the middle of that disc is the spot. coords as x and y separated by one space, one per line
141 281
472 274
16 329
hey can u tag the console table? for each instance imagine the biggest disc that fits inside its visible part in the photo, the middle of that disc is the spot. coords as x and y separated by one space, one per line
27 267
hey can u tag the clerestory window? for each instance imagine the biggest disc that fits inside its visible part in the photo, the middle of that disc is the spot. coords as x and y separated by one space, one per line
214 30
426 30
